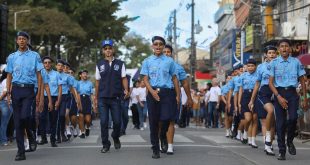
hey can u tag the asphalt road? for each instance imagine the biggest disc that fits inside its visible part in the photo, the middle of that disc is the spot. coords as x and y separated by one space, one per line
193 146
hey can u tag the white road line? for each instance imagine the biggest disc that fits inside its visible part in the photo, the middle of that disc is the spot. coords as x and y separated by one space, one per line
182 139
132 139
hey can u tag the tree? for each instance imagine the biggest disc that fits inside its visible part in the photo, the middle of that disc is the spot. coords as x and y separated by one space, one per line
137 49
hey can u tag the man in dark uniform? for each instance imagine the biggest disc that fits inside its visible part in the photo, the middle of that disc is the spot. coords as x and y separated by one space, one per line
285 71
23 67
110 82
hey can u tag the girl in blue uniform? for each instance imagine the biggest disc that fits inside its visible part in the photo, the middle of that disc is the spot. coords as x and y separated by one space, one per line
261 99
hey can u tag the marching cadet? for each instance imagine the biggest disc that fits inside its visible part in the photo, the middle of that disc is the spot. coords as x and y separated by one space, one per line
182 77
247 83
110 82
224 98
53 93
85 89
284 75
261 99
23 67
159 74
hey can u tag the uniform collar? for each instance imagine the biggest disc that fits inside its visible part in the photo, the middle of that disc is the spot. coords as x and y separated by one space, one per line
25 52
160 56
287 60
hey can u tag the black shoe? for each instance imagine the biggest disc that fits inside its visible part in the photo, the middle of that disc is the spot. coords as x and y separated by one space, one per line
170 153
105 149
64 138
164 145
270 153
42 141
156 154
87 131
82 136
244 141
281 156
254 146
20 157
117 143
53 144
291 149
32 146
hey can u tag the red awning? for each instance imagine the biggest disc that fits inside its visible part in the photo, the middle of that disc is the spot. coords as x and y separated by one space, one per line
204 76
304 59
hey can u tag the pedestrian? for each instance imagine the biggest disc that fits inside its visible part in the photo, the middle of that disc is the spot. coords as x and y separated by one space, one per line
285 73
5 110
159 75
247 83
111 84
85 89
262 99
142 107
52 95
214 103
182 77
23 67
134 105
206 99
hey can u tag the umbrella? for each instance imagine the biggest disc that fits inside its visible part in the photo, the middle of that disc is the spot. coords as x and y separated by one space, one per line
304 59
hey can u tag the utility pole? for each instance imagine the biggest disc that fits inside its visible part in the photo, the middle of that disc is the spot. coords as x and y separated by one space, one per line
175 36
256 22
193 49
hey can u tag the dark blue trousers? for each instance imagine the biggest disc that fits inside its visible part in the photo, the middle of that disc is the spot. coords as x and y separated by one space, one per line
160 111
105 105
22 98
52 116
125 117
61 116
286 119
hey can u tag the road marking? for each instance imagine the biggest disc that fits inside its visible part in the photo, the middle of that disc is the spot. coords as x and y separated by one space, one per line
219 139
182 139
132 139
89 139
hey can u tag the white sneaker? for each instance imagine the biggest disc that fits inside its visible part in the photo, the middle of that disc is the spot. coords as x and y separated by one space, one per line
26 143
144 125
75 132
227 133
68 131
142 129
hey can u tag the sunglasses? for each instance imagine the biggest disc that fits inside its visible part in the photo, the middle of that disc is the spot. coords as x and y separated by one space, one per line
47 62
107 48
158 44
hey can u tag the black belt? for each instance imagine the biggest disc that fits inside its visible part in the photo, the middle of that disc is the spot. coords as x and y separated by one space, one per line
287 88
248 90
162 89
85 95
23 85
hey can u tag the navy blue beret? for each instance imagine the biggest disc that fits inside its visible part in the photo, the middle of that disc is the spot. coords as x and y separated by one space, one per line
284 40
251 61
169 47
47 57
24 34
159 38
107 42
270 47
61 61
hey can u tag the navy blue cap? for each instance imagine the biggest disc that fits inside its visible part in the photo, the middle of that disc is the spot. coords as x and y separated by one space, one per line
24 34
236 67
61 61
107 42
229 73
251 61
169 47
270 47
284 40
67 64
82 71
159 38
47 57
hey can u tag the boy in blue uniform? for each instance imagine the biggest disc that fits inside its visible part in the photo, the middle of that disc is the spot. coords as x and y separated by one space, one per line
247 83
261 99
224 99
111 84
52 95
85 88
181 75
284 75
159 74
23 67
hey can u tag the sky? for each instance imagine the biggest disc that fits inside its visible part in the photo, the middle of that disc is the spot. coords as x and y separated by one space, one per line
154 16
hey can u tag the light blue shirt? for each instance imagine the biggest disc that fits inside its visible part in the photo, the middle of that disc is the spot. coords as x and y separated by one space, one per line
181 74
237 82
224 89
66 82
248 80
286 72
263 73
85 87
53 79
160 70
24 66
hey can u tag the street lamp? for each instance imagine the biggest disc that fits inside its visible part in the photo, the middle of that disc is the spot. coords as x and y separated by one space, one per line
15 16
